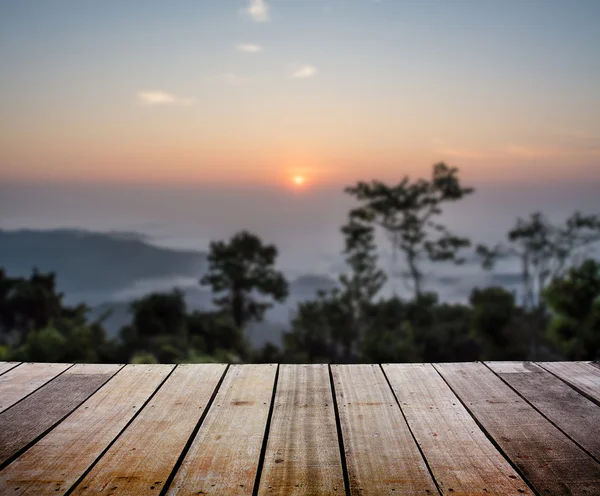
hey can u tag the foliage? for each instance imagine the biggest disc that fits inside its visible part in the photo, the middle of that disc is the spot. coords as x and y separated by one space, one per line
575 304
407 213
241 269
495 324
545 250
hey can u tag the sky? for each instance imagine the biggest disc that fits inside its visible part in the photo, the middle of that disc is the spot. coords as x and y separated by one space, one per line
297 93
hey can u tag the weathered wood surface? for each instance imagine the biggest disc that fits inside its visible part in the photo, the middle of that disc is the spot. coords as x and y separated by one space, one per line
575 415
223 458
142 458
302 455
6 366
381 455
461 457
549 460
584 377
23 380
61 457
451 429
38 412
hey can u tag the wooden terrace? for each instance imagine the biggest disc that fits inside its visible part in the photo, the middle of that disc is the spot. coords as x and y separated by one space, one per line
498 428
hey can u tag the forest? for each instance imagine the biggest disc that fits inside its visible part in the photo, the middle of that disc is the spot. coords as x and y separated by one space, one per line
555 315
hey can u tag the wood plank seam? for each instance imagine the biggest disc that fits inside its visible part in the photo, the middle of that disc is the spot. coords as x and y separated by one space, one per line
263 449
193 435
489 436
542 413
18 453
36 389
572 386
338 425
11 368
89 469
411 431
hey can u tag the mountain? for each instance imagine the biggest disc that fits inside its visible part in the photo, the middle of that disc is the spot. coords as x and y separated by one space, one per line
90 266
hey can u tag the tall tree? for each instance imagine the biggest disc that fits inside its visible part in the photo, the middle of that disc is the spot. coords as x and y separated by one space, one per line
408 213
239 271
545 250
330 326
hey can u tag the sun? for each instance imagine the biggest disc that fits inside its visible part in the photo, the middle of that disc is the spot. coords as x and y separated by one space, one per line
299 180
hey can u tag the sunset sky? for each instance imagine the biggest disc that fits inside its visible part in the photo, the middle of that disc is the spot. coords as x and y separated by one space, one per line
266 92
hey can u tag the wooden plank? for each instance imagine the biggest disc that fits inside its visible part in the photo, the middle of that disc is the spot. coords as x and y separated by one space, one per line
302 454
461 457
34 415
56 461
550 461
25 379
584 377
381 454
573 413
6 366
164 426
224 456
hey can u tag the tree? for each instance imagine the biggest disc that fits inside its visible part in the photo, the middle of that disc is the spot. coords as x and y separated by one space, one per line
158 327
545 251
214 332
407 213
239 271
494 323
330 326
28 304
575 305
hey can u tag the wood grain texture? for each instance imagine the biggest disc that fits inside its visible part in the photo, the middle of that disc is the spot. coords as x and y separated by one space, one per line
461 457
6 366
550 461
23 380
224 456
576 415
38 412
142 458
302 455
381 454
61 457
584 377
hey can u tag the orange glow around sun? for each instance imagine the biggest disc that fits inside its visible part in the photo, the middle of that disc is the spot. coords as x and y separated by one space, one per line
299 180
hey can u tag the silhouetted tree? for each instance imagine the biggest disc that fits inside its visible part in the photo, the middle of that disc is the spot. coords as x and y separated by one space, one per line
239 271
495 324
159 327
545 250
407 213
211 332
575 304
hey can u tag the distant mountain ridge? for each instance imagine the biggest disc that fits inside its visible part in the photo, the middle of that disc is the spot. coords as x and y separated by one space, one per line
93 262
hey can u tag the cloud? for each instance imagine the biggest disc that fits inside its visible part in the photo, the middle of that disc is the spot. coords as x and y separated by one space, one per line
258 10
303 71
249 48
232 79
156 97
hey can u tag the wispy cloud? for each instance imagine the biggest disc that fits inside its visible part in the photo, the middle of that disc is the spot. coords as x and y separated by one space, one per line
249 47
258 10
303 71
157 97
231 79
